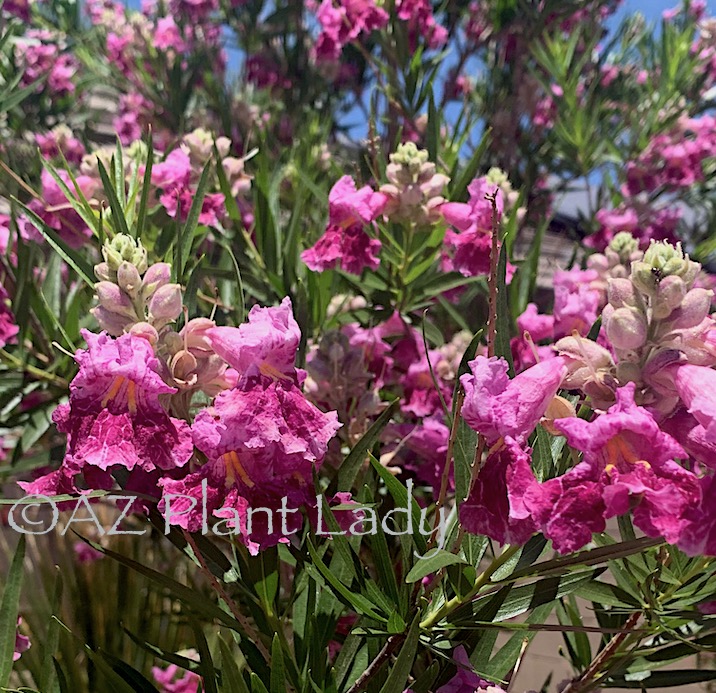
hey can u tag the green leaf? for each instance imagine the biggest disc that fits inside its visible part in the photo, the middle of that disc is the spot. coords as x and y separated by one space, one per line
432 136
400 496
356 457
70 256
504 329
398 676
206 663
256 684
146 186
231 679
278 673
662 679
187 233
127 673
118 221
426 565
457 194
9 608
360 603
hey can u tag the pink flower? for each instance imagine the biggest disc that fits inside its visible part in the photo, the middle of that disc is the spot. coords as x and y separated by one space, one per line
22 643
114 418
262 441
60 139
628 461
696 386
467 249
57 212
498 407
496 505
168 36
576 301
267 342
539 326
352 249
421 395
167 679
345 242
344 24
466 680
419 16
8 324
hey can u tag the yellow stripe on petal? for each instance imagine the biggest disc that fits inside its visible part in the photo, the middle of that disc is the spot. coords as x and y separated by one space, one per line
235 469
113 390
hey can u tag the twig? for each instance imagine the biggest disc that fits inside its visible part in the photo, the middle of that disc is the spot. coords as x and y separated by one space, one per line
388 649
580 682
492 280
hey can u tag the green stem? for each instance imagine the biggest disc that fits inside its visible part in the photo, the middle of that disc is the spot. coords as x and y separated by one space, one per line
481 581
32 370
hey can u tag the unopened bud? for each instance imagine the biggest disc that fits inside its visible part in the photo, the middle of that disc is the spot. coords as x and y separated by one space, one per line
129 280
669 295
145 331
624 245
157 275
626 329
112 323
693 309
113 299
103 272
621 293
123 248
165 305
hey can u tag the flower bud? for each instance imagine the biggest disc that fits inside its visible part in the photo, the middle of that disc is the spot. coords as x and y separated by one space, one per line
123 248
624 245
113 299
693 309
129 280
145 331
165 305
662 260
626 329
157 275
621 293
113 323
669 295
103 272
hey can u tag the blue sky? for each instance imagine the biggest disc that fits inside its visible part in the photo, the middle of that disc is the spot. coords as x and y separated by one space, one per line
652 9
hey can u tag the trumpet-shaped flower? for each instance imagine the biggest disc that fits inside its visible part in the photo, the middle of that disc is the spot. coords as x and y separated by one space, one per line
497 406
114 418
262 441
628 464
268 341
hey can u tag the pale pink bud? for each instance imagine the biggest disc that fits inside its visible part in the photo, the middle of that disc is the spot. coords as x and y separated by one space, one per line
103 272
626 329
166 304
128 279
113 299
669 295
145 331
157 275
112 323
694 308
621 293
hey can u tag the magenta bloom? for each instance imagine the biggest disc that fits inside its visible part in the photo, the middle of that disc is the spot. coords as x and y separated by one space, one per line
421 395
496 505
467 248
169 683
22 643
352 249
8 325
57 212
628 463
262 441
268 341
345 241
498 407
345 23
466 680
696 386
114 419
